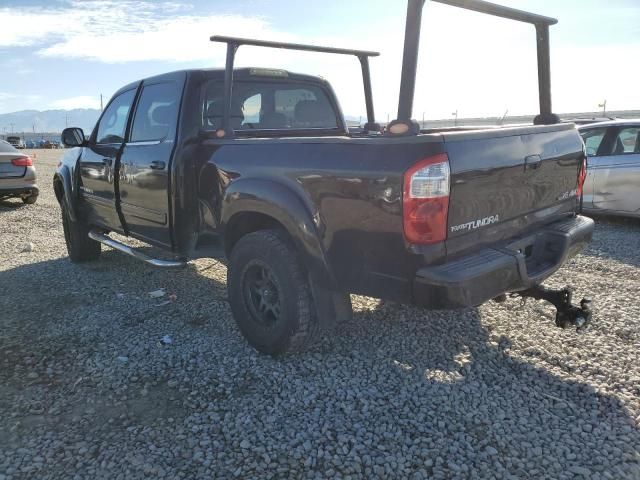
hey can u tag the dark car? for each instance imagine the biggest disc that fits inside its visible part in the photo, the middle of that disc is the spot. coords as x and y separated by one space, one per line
257 167
15 141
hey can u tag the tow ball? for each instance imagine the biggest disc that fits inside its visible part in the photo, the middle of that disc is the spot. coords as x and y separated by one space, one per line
567 314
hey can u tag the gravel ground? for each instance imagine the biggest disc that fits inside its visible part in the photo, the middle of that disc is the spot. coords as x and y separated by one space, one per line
89 390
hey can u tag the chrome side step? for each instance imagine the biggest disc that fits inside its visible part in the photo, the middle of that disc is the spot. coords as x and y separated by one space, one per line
105 239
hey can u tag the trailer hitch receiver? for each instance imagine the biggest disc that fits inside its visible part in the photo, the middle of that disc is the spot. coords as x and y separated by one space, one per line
567 314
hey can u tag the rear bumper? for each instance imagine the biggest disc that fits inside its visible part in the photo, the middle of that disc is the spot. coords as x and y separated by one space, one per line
516 265
27 190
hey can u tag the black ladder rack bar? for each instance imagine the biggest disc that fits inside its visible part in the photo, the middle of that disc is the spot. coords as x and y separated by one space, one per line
292 46
234 42
500 11
412 41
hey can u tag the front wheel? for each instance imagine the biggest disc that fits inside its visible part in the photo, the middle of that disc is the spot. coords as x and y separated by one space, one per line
270 294
76 235
30 200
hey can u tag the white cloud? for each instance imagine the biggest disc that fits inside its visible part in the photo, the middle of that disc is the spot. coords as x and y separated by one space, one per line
82 101
117 32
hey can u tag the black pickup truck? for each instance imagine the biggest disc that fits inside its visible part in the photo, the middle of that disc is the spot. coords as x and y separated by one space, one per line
257 167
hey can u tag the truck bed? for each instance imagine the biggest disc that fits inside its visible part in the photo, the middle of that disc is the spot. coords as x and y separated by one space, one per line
352 188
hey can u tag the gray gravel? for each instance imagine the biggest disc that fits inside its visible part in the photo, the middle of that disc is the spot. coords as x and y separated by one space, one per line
88 389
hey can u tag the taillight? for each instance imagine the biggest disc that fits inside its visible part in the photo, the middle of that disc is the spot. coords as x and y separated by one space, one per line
425 200
582 176
22 162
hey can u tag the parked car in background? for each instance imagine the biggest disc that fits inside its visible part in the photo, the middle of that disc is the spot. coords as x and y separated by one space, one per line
17 175
612 186
587 121
49 144
15 141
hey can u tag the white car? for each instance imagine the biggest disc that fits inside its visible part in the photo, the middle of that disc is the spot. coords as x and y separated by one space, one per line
612 186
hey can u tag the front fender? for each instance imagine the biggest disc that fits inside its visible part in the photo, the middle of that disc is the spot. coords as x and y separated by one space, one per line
271 198
68 196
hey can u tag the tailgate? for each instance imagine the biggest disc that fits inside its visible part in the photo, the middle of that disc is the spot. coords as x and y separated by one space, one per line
505 180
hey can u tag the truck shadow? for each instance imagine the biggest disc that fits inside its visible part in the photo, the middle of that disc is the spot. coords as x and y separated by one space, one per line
442 378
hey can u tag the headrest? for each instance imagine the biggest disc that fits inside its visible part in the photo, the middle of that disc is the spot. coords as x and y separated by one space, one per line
162 115
215 112
273 120
314 114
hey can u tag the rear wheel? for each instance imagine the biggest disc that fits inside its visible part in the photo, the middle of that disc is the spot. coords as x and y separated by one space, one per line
270 295
76 235
30 200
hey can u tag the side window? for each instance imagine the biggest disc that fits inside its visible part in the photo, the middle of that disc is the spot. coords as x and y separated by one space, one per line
592 140
626 141
251 108
157 113
114 120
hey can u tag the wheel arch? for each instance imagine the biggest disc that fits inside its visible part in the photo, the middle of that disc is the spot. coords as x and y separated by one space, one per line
62 186
256 204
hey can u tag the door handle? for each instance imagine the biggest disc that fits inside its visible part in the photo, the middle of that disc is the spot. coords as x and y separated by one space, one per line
107 161
532 162
157 165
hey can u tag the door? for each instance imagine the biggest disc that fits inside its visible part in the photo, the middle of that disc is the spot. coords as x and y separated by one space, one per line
145 161
98 163
616 172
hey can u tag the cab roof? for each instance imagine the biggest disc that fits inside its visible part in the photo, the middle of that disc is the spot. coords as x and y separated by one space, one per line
238 74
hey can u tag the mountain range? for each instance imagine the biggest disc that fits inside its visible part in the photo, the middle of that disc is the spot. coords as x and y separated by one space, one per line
35 121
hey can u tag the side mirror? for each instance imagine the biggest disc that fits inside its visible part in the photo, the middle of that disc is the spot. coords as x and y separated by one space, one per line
73 137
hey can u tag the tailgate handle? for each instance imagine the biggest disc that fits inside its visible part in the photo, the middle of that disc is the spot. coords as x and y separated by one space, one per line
532 162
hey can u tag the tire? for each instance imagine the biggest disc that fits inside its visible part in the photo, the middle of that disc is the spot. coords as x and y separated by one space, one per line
30 200
270 295
76 235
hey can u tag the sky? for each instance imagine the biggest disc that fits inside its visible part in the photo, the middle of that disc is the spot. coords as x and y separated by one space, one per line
65 53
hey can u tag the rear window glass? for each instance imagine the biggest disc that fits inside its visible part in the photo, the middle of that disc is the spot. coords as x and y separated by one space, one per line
157 112
269 106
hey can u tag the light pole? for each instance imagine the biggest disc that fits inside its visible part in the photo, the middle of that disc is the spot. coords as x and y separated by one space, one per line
603 105
455 121
422 119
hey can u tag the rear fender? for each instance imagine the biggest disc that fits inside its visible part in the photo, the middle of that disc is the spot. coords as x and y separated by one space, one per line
281 203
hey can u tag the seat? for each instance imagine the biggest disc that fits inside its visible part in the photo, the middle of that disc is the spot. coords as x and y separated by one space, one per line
619 147
215 112
311 113
273 120
161 118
